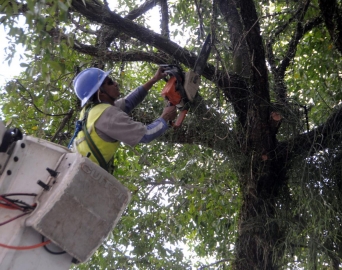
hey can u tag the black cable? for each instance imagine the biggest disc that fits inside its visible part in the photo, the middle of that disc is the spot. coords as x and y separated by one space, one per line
21 204
50 251
19 194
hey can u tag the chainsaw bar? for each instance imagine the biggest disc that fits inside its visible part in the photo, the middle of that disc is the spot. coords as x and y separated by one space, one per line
193 77
202 58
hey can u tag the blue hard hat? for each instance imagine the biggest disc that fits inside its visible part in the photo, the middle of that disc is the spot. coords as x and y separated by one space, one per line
87 82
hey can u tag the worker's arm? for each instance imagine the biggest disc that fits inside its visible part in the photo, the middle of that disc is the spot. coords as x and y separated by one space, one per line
114 124
157 76
154 130
138 95
159 126
134 98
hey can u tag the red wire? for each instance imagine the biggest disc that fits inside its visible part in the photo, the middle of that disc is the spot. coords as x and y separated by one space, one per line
2 205
8 221
26 247
10 203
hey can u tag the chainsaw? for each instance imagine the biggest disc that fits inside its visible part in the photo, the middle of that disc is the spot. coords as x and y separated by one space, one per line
181 88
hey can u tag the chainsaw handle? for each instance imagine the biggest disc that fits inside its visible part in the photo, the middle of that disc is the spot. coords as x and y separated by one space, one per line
180 119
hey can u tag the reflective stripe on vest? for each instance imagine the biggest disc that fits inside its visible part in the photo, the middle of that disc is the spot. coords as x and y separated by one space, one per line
107 149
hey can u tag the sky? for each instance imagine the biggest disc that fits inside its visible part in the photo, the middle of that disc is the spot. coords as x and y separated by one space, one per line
7 72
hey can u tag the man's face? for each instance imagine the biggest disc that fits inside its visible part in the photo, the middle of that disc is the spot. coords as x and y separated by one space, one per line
111 87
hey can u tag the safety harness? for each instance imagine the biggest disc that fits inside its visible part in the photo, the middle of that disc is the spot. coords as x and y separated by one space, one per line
82 125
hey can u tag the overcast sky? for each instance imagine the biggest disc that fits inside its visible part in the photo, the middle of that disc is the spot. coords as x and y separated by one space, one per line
7 72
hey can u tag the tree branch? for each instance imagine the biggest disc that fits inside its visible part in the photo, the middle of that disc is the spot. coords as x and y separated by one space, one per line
63 123
174 182
332 14
241 57
301 30
154 57
34 105
108 34
164 10
136 31
291 51
327 135
200 18
208 266
277 32
204 126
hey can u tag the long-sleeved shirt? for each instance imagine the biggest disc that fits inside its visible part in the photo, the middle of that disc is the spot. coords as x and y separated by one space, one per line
116 125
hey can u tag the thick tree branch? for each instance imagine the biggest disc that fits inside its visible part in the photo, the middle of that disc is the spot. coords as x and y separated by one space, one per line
155 57
241 57
108 34
255 44
139 32
164 24
332 14
327 135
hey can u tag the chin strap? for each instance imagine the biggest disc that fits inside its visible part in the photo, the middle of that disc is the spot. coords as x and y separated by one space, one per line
105 92
111 98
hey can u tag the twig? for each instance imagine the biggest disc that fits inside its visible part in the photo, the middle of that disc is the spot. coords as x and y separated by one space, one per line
215 263
173 181
62 125
34 105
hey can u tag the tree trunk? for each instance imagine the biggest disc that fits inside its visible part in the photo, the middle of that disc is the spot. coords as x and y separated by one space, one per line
258 230
260 176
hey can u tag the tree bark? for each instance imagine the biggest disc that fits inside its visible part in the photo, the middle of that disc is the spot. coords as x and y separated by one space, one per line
332 14
260 177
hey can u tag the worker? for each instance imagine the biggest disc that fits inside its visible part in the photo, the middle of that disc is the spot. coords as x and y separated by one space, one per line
104 120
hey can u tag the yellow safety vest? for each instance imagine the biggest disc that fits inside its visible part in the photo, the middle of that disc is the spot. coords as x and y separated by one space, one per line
107 149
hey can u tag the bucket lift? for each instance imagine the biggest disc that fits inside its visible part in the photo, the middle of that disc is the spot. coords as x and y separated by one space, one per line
74 204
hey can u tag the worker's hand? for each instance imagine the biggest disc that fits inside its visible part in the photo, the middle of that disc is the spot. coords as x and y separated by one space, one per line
169 113
160 74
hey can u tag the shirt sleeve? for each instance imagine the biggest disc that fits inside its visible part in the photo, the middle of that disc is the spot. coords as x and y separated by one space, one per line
154 130
134 98
115 125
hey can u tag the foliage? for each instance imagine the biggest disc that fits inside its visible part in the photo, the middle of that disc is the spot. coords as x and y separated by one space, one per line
233 185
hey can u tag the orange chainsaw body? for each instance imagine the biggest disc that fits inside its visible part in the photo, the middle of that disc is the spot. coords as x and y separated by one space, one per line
170 93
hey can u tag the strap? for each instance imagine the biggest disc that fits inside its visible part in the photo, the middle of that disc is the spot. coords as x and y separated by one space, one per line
95 151
77 130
